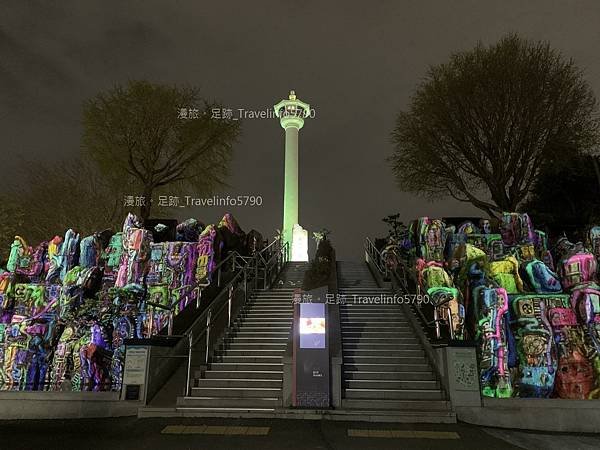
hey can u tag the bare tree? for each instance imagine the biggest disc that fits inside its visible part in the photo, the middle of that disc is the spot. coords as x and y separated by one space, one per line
139 132
479 126
49 199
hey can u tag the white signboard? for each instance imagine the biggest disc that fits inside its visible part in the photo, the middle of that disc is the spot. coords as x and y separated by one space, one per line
465 370
135 365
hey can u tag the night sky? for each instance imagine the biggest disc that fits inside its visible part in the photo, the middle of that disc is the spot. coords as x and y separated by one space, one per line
356 63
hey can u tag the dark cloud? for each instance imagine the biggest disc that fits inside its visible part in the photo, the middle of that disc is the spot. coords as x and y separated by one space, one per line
357 63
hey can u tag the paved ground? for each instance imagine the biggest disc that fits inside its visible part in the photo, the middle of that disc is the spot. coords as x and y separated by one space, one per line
547 441
241 434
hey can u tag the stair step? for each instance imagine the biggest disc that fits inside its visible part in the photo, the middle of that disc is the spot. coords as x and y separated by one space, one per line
245 367
274 294
402 405
239 382
352 286
268 314
349 308
376 367
388 360
280 301
377 314
378 334
363 290
231 402
276 306
248 347
284 299
258 291
394 394
197 411
248 358
380 346
263 327
367 321
384 352
244 333
238 392
252 352
276 320
256 339
374 340
258 374
427 375
375 328
392 384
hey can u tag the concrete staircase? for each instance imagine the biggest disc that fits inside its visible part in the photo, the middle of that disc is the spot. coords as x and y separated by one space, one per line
246 372
385 369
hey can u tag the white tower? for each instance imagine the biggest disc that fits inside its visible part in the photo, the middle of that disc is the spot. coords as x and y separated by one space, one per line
291 114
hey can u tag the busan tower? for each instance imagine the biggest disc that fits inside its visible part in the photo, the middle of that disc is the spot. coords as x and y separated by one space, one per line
291 114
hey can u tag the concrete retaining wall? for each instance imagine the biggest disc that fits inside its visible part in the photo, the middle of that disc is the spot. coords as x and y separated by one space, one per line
64 405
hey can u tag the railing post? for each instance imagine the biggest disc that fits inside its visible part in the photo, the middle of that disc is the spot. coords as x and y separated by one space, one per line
230 295
450 324
265 276
207 335
189 366
245 286
256 273
437 323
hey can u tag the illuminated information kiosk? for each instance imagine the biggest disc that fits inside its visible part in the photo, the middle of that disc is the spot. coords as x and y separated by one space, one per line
311 351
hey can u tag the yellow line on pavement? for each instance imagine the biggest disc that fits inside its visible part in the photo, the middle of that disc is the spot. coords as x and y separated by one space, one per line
216 430
411 434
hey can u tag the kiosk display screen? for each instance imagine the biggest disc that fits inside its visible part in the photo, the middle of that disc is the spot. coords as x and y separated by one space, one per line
312 325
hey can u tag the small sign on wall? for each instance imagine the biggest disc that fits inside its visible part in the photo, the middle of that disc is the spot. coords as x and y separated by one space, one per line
136 359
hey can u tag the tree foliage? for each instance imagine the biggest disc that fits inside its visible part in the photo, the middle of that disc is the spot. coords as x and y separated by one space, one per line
319 269
479 127
565 196
49 199
136 132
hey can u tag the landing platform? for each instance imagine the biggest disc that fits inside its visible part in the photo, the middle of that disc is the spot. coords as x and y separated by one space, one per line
305 414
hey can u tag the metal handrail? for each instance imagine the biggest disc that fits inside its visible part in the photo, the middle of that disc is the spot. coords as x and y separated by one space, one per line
379 263
376 256
402 283
275 241
374 252
202 326
199 288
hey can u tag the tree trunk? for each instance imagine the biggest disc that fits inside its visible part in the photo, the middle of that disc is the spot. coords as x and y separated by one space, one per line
596 169
146 204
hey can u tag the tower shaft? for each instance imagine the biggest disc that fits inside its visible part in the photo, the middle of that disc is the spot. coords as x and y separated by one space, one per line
291 113
290 194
